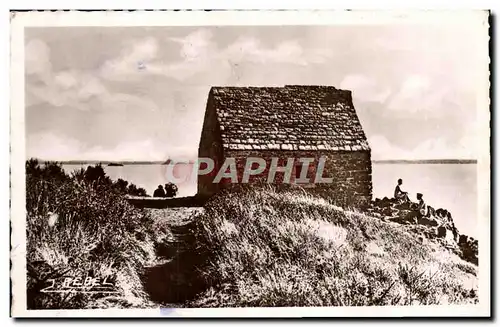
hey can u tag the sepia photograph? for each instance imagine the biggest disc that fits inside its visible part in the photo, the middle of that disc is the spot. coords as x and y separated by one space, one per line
311 163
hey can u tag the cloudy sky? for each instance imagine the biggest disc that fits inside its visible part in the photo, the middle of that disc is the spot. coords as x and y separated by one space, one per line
139 93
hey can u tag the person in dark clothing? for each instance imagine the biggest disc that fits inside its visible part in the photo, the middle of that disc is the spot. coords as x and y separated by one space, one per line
422 206
170 190
399 194
159 192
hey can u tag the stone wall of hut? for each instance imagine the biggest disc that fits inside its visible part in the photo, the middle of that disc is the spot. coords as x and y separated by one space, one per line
289 122
210 147
350 172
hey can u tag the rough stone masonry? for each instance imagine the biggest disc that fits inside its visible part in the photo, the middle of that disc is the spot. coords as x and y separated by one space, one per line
294 121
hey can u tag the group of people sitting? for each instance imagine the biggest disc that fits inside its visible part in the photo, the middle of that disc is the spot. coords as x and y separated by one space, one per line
402 197
170 190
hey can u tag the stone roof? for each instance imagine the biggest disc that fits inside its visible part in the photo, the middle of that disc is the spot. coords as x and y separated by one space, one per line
288 118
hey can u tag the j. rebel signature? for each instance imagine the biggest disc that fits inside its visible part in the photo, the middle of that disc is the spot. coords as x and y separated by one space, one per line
87 284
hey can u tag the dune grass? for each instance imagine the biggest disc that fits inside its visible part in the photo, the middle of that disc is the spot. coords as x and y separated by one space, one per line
291 249
250 248
80 225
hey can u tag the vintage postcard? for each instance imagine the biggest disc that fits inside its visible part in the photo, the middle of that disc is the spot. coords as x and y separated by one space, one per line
250 164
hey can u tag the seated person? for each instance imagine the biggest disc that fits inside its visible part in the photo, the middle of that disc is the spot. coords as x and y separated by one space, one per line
170 190
159 192
422 206
399 194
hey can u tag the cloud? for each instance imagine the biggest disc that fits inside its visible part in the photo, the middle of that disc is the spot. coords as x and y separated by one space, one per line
434 148
37 58
415 88
195 45
134 58
78 89
440 149
50 145
55 146
198 53
140 60
59 89
290 52
65 80
109 111
420 94
415 85
382 148
172 76
365 88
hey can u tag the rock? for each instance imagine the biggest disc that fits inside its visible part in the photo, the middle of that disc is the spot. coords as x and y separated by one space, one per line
431 211
387 212
443 214
411 216
431 221
462 239
403 206
448 215
404 213
430 234
439 226
399 220
469 251
386 202
441 231
446 234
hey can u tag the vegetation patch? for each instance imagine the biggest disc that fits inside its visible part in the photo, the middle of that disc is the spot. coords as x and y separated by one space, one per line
247 248
263 248
80 226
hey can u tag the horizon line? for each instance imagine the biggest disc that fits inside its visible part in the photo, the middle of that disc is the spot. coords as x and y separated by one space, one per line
81 161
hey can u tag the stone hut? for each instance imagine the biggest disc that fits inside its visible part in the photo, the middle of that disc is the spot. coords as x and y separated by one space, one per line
294 121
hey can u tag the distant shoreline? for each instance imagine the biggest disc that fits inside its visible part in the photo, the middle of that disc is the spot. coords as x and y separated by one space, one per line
392 161
114 163
427 161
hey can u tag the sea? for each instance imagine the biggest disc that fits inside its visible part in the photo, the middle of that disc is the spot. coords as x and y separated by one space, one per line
449 186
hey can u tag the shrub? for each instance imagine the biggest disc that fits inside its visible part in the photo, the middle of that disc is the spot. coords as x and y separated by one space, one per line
134 190
81 225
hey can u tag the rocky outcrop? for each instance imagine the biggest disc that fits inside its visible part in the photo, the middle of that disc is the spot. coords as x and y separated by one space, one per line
468 249
438 225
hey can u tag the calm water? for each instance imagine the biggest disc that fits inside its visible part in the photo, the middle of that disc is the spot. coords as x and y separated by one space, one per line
147 176
449 186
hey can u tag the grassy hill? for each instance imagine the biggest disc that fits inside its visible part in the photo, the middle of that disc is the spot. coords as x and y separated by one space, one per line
247 248
291 249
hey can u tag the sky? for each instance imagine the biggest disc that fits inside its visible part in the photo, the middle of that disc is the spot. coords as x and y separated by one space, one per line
139 93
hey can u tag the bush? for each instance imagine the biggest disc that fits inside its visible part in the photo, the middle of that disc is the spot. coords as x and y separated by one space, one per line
81 225
133 190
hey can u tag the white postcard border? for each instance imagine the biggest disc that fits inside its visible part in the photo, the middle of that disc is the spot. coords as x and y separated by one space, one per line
199 18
